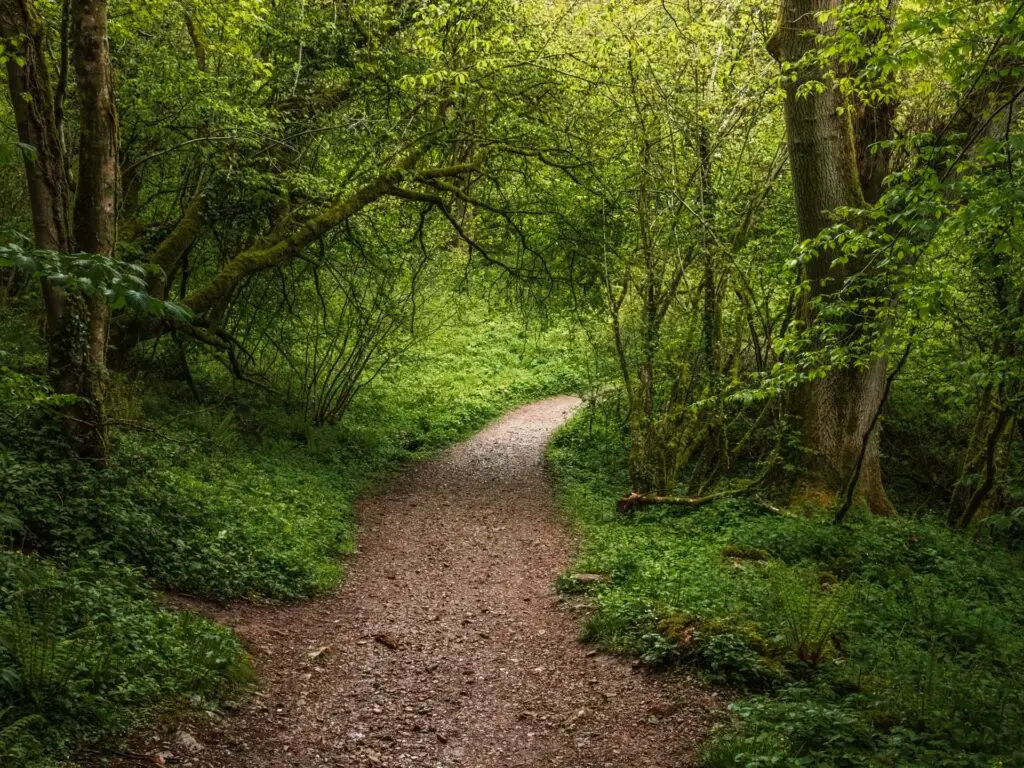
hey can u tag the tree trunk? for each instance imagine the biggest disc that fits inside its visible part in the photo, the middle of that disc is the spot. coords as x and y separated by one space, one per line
988 479
75 326
712 450
28 81
835 411
95 223
874 123
95 215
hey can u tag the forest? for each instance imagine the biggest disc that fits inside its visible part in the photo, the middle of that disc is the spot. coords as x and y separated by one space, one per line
755 267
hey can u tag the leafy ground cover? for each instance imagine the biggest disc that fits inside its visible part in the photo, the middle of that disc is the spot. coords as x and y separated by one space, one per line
885 642
230 498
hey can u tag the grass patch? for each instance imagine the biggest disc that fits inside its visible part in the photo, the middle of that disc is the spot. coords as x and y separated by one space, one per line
887 642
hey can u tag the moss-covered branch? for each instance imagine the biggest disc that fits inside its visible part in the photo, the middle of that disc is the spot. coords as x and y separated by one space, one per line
289 245
172 248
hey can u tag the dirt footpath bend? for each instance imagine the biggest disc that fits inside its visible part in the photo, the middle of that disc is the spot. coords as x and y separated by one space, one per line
446 646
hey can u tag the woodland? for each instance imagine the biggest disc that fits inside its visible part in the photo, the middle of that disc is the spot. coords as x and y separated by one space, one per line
255 255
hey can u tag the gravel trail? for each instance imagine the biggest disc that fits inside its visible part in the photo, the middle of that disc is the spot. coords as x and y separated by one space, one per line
447 647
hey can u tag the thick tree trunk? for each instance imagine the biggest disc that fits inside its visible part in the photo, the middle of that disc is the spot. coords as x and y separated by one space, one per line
834 411
95 223
75 326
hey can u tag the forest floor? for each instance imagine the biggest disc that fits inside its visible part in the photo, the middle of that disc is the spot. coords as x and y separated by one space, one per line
447 645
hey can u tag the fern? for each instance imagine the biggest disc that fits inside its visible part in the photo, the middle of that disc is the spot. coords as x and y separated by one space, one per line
14 731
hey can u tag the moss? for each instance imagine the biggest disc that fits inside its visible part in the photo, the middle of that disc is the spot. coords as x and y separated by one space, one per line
733 648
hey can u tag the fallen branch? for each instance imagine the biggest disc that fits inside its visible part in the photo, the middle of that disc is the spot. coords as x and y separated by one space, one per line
629 504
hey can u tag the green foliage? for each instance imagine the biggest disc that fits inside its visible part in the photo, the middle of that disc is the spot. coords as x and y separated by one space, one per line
246 501
888 641
797 726
467 375
678 188
329 184
809 607
86 653
121 285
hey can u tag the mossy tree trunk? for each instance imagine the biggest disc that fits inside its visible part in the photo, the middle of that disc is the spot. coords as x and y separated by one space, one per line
28 82
95 213
835 411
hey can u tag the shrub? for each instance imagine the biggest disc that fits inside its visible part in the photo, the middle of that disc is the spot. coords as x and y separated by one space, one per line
797 726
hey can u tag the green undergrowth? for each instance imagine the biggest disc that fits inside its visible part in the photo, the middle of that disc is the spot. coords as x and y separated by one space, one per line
231 497
886 642
86 652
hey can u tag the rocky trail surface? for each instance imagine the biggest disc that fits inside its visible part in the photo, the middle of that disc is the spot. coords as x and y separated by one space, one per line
447 647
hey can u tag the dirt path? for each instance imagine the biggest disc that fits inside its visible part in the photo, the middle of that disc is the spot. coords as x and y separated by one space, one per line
446 646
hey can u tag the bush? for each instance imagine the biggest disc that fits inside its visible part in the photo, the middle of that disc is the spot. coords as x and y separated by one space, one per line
797 726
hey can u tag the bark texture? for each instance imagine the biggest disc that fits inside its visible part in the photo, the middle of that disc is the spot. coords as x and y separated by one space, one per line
95 214
28 81
836 411
95 222
75 326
